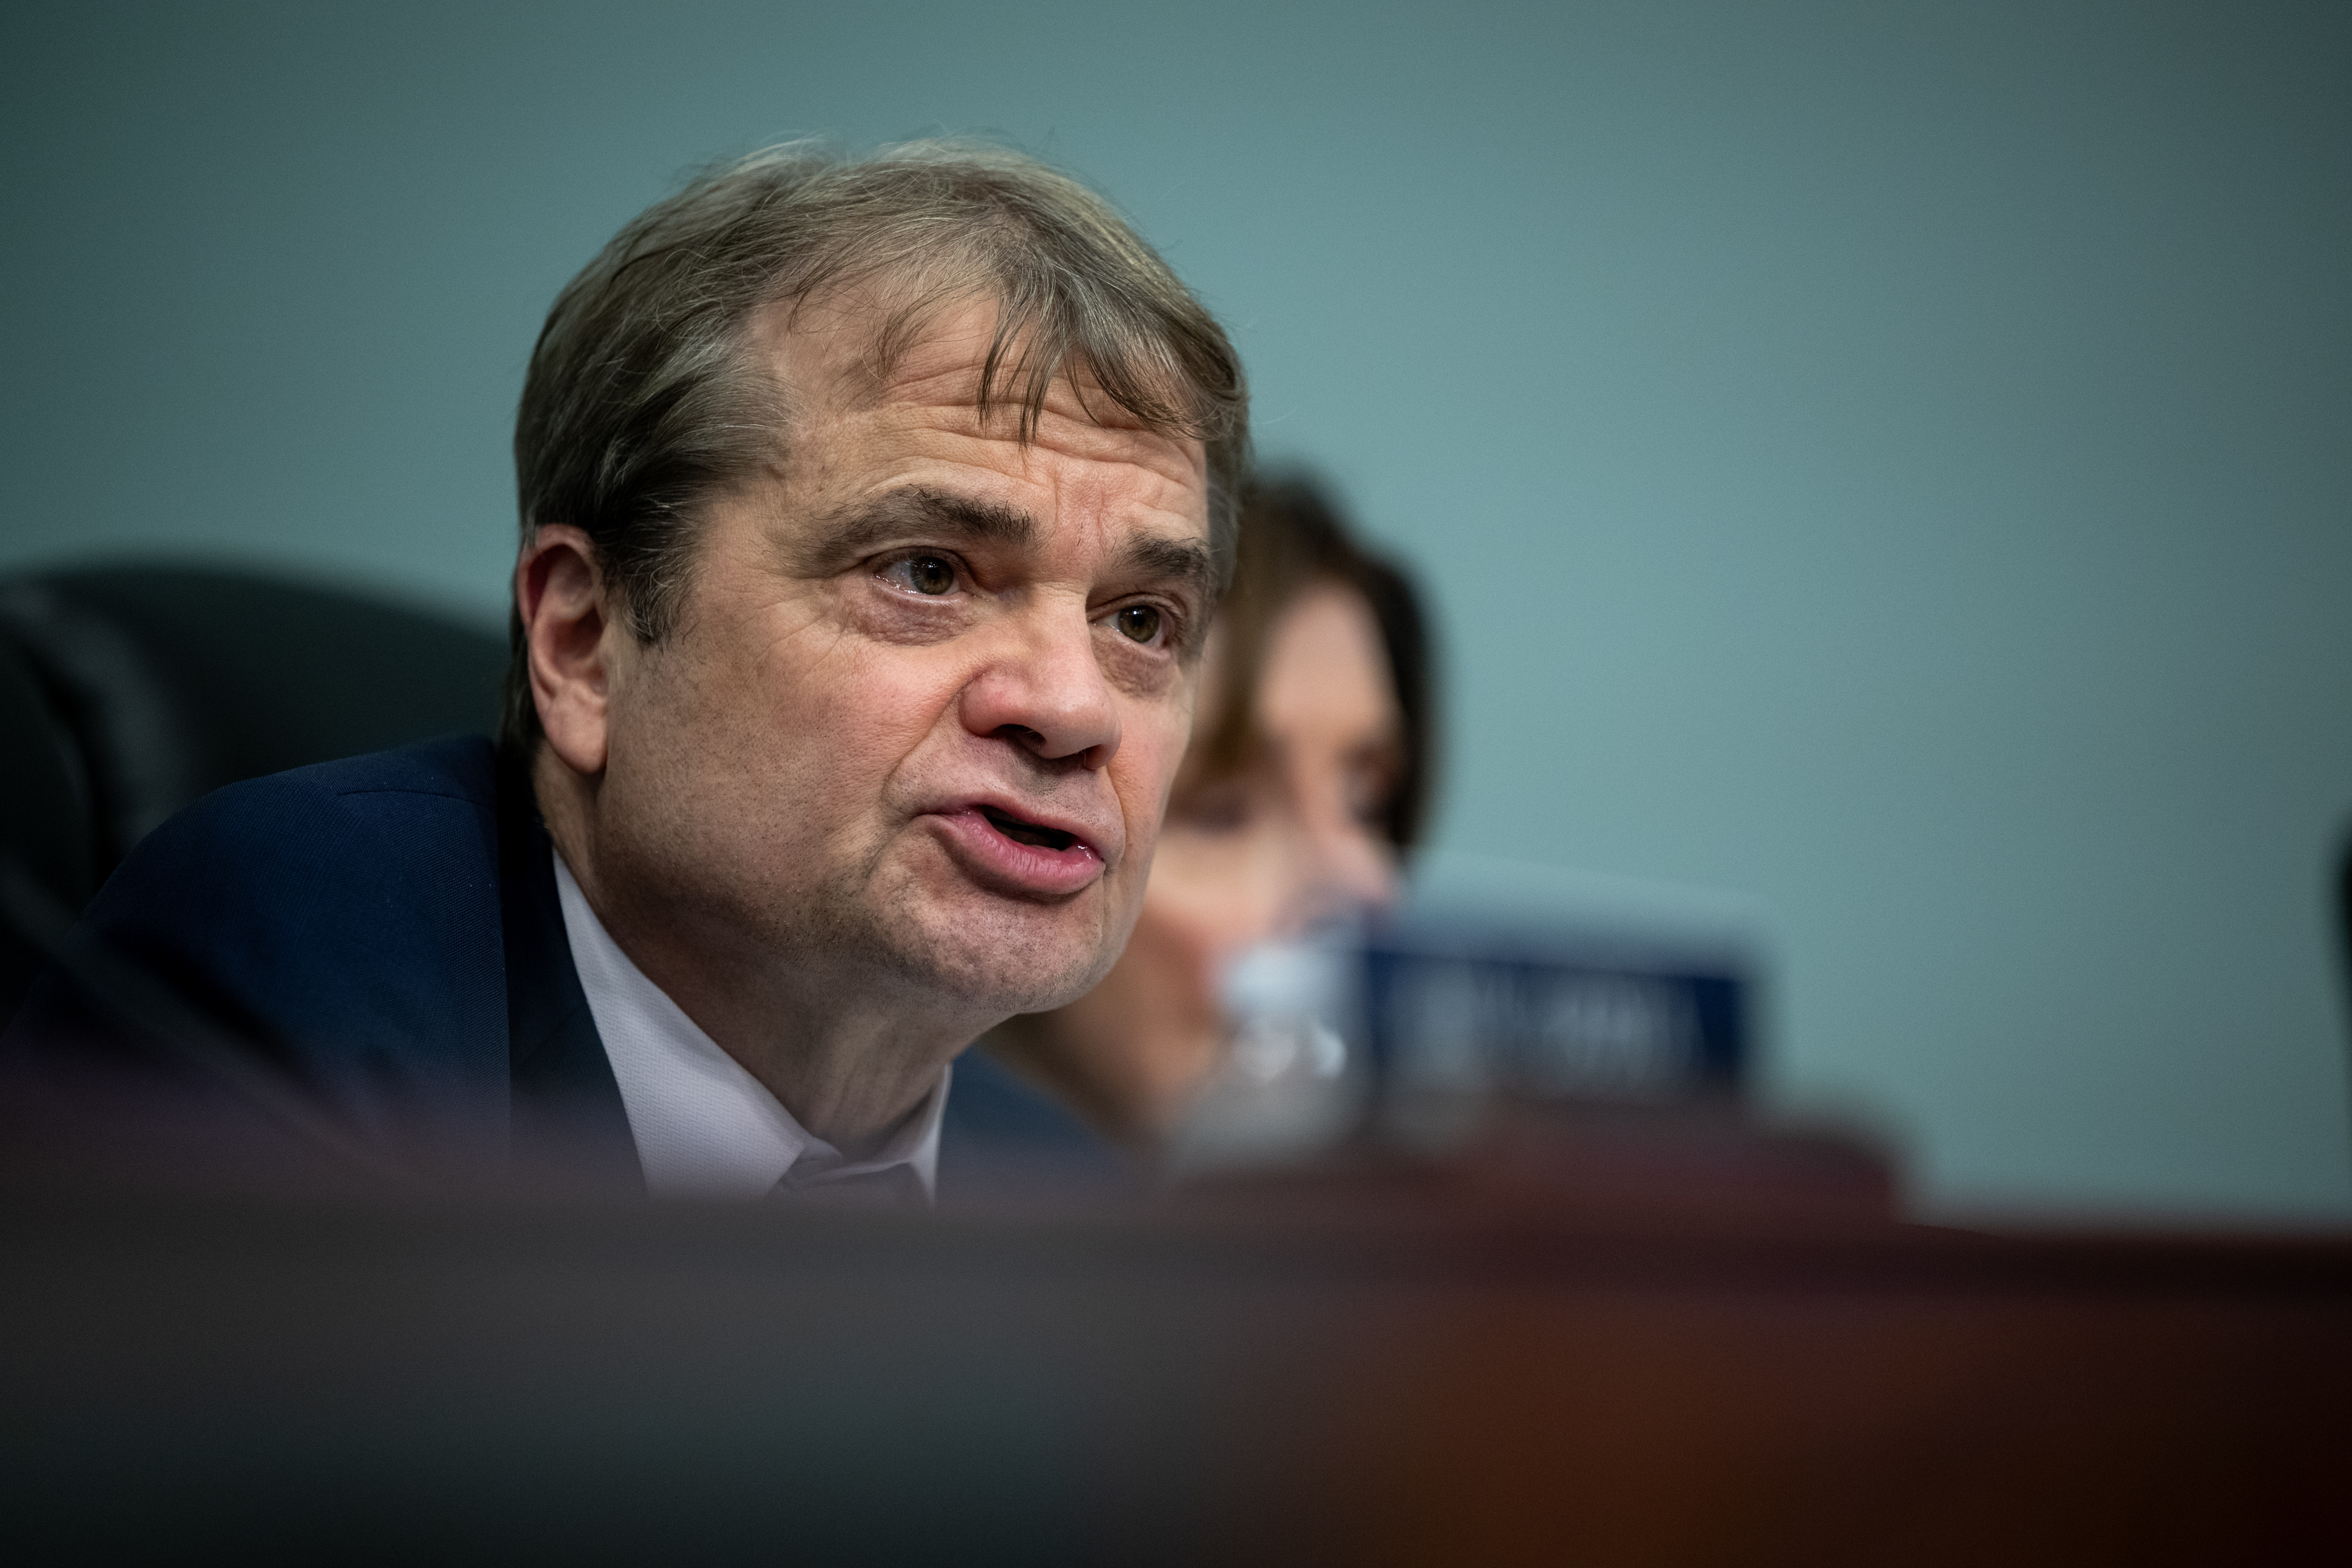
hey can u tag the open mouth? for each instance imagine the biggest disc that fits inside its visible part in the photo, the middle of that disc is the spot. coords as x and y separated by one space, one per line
1029 833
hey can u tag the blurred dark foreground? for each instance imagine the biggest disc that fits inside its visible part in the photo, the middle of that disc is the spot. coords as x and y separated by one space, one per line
1608 1338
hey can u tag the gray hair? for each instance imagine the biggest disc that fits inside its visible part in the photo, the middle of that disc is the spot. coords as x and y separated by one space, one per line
640 403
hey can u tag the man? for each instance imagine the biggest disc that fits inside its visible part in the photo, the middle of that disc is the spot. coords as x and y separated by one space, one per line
873 514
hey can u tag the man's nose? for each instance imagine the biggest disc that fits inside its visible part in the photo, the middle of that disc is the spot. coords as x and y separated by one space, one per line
1044 691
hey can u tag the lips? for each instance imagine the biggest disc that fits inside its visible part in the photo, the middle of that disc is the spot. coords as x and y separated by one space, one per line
1023 853
1036 835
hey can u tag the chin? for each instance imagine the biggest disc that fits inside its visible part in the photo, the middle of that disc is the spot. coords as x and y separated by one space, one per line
1010 956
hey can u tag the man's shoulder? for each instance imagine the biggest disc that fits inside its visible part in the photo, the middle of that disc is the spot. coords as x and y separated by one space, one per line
449 767
344 920
346 845
399 810
335 914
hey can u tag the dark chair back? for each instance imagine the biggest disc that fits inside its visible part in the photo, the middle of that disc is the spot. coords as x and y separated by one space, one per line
126 692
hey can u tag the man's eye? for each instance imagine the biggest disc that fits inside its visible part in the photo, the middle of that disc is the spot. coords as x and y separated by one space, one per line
926 574
1138 623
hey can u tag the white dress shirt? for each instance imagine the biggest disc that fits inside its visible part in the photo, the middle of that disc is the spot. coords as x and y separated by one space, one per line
704 1126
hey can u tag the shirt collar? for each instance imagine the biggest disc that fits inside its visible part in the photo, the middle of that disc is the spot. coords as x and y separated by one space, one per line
703 1125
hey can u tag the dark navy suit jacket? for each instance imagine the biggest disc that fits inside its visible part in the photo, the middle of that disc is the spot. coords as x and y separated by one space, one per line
385 931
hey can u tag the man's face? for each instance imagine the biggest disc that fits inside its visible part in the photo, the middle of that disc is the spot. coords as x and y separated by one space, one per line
917 721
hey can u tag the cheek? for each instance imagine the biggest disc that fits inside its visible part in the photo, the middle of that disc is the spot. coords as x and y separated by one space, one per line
1217 891
1150 751
847 712
787 724
1174 957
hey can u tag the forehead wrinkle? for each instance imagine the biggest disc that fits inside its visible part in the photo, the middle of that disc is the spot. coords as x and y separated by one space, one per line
947 329
942 374
827 346
948 409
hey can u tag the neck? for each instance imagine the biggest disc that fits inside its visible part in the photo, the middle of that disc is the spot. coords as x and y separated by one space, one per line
848 1051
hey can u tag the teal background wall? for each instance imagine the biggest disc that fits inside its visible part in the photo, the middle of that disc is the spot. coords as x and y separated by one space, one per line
1892 461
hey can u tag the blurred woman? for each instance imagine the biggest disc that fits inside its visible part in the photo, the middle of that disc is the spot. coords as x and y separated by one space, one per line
1307 779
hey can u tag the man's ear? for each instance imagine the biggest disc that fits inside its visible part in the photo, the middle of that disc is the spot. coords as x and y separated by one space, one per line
569 625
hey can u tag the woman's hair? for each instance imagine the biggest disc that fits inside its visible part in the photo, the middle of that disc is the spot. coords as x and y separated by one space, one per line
1292 539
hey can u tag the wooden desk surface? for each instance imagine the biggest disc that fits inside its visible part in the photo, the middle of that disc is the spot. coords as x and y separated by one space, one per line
1311 1378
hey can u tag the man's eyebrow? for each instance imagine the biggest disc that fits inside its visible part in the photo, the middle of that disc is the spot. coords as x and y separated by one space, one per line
918 512
858 530
1185 560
